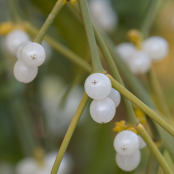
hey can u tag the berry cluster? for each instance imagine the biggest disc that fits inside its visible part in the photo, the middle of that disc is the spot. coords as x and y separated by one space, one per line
32 166
106 99
30 55
127 145
139 61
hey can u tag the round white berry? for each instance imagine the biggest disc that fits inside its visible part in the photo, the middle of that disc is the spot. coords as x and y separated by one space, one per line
24 73
128 163
155 47
126 142
115 96
98 86
32 166
139 62
33 54
20 47
27 166
142 142
14 39
102 111
103 14
125 50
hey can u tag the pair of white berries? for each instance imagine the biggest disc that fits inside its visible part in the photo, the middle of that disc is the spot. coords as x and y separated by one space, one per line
32 166
127 145
139 61
106 99
30 55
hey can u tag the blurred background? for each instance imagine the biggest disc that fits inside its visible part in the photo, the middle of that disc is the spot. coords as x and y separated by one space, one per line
38 114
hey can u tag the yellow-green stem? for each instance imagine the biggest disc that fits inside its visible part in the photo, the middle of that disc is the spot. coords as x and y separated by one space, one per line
158 94
57 7
96 63
149 16
69 133
153 148
112 66
14 11
152 114
62 49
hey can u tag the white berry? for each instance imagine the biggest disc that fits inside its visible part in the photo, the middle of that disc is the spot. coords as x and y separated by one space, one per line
126 142
103 14
125 50
27 166
115 96
24 73
32 166
139 62
20 47
98 86
142 142
14 39
33 54
102 111
155 47
128 163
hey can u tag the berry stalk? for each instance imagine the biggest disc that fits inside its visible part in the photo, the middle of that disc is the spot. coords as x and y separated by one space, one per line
152 114
154 149
158 94
57 7
149 16
107 56
69 133
96 63
62 49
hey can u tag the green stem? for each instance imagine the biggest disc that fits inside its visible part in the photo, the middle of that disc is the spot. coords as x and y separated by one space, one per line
158 94
62 49
129 110
57 7
69 133
150 13
96 63
112 66
152 114
154 149
14 11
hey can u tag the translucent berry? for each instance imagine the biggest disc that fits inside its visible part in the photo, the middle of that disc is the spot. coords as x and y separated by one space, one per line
24 73
142 142
102 111
18 52
126 142
155 47
32 166
115 96
14 39
98 86
128 163
139 62
27 166
103 14
33 54
125 50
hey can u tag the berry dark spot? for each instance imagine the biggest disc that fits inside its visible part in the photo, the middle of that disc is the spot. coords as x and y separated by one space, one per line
123 148
94 82
33 57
